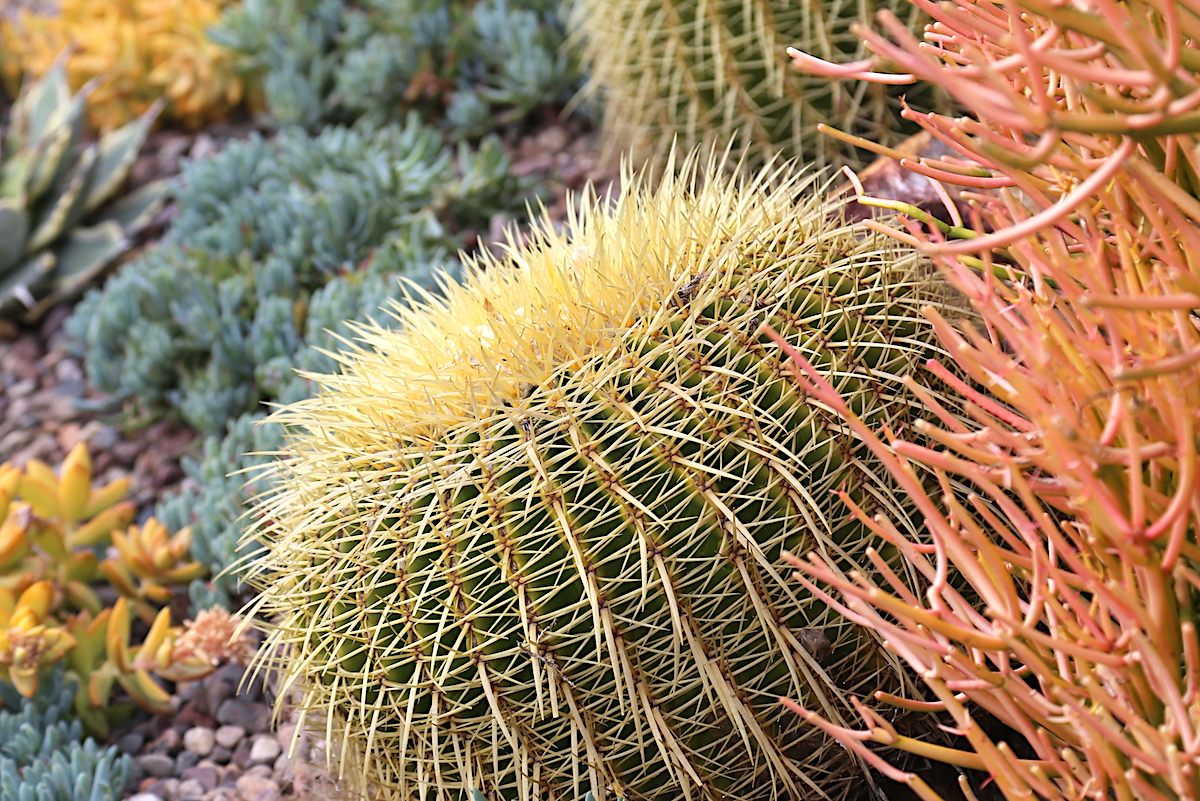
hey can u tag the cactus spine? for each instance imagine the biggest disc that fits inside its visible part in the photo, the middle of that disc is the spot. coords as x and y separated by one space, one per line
711 72
529 541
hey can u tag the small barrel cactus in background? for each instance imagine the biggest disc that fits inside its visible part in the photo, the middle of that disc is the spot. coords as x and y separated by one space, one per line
713 72
51 184
529 541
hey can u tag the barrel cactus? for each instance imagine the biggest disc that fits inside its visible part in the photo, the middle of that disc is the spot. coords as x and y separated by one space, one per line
528 541
716 71
58 225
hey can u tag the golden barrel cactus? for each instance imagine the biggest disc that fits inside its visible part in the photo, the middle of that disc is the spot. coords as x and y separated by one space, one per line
714 72
529 541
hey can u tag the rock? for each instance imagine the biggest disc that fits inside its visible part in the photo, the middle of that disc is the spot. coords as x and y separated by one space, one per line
191 790
252 717
206 776
156 765
144 797
264 749
256 788
241 755
221 755
169 742
131 743
230 775
215 694
261 771
282 771
229 736
199 740
185 760
166 788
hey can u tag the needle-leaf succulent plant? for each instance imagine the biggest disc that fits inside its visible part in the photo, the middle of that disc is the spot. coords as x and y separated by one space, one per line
529 540
58 230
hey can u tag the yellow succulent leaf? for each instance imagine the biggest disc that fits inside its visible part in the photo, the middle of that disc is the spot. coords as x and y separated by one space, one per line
183 574
100 687
95 530
146 692
118 576
13 533
154 638
41 472
156 592
49 536
35 602
181 542
56 644
83 596
116 639
81 566
103 497
24 680
42 495
165 653
75 484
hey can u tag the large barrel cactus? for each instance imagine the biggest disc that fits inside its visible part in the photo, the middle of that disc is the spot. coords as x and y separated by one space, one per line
528 542
716 71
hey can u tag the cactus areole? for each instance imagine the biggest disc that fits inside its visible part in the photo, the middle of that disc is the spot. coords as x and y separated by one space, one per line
529 541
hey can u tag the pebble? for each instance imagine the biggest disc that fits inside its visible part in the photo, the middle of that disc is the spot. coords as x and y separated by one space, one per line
229 736
199 740
144 797
157 765
169 742
166 788
191 790
185 760
256 788
206 776
221 754
131 743
264 749
252 717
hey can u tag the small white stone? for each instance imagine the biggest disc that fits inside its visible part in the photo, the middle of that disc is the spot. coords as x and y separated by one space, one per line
230 736
265 749
199 740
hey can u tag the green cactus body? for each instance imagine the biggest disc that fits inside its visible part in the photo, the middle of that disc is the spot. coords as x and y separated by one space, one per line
529 541
712 72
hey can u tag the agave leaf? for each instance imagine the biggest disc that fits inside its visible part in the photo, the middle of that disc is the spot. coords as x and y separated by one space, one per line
36 107
15 173
56 148
17 288
80 260
14 229
118 151
86 252
135 210
53 221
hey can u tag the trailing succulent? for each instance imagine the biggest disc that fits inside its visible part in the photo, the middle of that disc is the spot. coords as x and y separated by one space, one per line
276 245
207 326
43 754
58 229
476 63
528 541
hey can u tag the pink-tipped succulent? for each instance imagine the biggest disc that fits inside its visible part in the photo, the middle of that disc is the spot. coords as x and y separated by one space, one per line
1071 505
